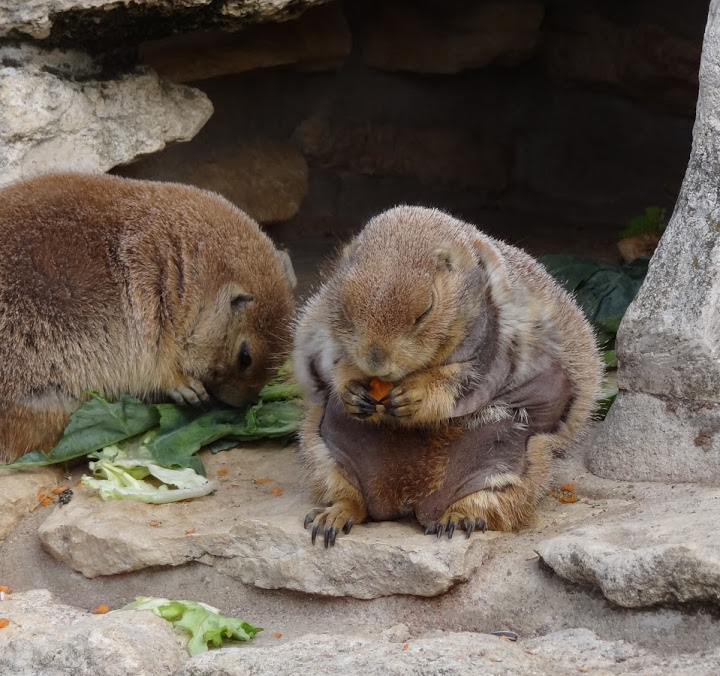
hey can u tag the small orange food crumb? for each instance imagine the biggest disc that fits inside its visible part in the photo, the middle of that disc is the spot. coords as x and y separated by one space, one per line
405 646
568 487
567 498
222 472
4 622
379 389
5 589
189 531
101 609
59 489
45 502
234 485
277 491
264 480
42 496
278 635
154 524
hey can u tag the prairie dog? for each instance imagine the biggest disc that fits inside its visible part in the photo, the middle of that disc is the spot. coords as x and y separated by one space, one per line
130 287
494 367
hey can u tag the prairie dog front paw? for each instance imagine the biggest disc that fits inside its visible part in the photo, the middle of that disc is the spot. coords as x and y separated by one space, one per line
189 392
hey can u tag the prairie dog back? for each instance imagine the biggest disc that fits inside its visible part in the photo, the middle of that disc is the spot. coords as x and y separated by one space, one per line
122 286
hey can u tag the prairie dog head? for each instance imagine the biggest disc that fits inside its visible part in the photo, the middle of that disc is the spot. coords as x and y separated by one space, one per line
242 331
400 291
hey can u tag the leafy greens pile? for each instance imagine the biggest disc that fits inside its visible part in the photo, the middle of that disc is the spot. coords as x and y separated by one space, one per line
204 623
604 293
170 435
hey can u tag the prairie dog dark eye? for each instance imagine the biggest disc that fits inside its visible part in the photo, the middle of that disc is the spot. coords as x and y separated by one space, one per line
426 313
245 358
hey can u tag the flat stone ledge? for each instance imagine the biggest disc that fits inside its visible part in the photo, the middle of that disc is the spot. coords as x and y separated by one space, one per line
669 552
252 530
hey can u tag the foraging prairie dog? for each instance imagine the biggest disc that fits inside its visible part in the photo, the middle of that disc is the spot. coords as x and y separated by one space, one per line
494 370
130 287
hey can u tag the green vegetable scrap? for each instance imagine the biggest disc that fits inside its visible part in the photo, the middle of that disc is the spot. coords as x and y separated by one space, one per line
173 435
604 293
204 623
128 471
653 220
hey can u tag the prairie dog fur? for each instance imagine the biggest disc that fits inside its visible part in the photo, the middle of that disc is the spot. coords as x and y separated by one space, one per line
494 367
130 287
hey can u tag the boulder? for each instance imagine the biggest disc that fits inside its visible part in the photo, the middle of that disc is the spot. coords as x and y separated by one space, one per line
21 491
644 61
57 112
665 553
451 37
665 420
47 637
432 154
252 530
318 40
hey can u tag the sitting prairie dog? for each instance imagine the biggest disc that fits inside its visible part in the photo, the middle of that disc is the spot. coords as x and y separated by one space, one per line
494 369
130 287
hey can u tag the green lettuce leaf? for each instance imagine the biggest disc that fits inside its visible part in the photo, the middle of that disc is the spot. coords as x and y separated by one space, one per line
131 473
204 623
95 424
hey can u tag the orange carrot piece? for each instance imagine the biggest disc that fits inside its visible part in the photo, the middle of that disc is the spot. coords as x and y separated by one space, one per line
222 472
277 491
59 489
101 609
5 589
570 488
264 480
4 622
46 502
379 389
189 531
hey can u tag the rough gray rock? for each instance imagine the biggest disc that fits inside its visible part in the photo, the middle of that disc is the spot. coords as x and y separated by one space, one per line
252 530
56 113
565 652
667 413
20 492
666 553
53 639
36 19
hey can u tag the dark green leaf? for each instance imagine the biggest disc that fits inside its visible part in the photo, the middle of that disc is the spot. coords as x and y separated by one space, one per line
94 425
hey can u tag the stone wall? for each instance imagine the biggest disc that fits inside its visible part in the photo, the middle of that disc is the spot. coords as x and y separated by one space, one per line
548 122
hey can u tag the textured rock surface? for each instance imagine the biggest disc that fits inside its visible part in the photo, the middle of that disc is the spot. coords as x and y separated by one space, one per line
318 40
451 37
36 19
668 343
567 652
19 490
251 530
56 113
266 177
643 60
435 155
47 637
667 553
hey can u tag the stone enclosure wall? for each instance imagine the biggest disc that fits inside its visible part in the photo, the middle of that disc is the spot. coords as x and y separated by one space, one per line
548 122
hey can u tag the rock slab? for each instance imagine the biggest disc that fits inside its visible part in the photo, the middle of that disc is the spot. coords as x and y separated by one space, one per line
667 553
53 639
668 342
58 113
252 530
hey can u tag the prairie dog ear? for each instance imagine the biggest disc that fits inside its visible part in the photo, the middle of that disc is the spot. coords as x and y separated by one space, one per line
239 297
453 257
284 256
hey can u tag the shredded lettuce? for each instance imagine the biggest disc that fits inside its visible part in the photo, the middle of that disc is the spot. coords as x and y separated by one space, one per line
131 473
204 623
